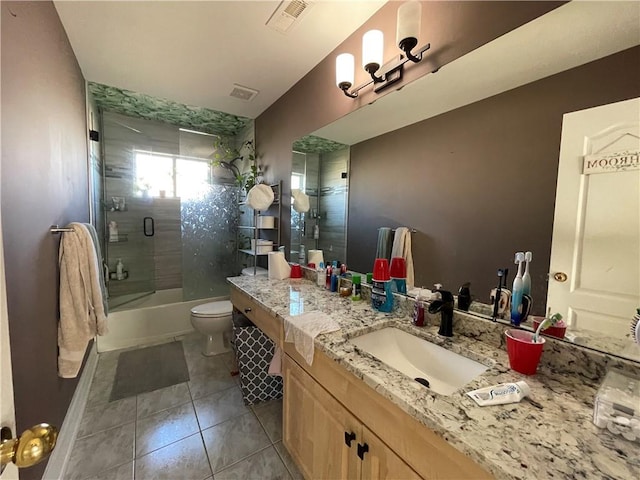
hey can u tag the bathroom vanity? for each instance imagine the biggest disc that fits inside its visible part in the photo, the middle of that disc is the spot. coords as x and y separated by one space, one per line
348 415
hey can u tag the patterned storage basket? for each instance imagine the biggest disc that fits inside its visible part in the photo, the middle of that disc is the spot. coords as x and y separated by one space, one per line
254 351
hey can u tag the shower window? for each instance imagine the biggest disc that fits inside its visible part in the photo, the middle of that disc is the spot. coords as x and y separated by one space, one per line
175 176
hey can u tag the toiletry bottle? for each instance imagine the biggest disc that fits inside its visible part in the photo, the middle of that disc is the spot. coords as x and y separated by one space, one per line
113 231
343 270
316 232
356 288
418 309
119 270
516 295
327 277
302 256
321 275
334 282
381 296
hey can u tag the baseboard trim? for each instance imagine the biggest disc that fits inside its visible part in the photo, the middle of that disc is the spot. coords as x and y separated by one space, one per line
60 456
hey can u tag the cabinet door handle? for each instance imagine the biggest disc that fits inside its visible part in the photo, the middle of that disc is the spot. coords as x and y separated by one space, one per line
348 438
247 310
362 449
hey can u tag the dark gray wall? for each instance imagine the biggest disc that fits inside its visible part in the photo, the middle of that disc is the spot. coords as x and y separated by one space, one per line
479 182
44 181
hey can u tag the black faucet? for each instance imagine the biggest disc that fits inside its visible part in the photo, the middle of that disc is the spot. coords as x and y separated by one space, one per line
444 305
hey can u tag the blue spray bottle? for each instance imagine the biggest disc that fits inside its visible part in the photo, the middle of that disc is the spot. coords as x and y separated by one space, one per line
526 278
516 293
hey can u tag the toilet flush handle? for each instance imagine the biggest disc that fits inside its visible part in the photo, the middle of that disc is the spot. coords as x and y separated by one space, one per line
247 310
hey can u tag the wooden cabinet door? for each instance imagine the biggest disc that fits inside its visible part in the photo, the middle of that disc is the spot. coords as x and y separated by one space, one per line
380 462
314 428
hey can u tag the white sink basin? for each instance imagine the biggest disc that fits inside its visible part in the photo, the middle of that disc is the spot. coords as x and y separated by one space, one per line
445 370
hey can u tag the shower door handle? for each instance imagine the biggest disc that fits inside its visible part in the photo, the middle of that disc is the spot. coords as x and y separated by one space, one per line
148 227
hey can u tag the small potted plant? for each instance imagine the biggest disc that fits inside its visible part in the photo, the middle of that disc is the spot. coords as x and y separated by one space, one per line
226 156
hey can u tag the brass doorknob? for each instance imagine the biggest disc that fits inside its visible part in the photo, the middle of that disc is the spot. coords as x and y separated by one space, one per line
33 446
560 277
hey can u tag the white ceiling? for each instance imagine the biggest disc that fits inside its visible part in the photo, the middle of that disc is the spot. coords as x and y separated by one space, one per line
571 35
193 52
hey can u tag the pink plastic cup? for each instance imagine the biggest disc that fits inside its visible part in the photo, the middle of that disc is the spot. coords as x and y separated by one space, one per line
381 270
398 268
296 271
524 355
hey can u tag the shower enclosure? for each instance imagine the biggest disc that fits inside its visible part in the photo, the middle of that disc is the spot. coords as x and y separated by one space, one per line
170 218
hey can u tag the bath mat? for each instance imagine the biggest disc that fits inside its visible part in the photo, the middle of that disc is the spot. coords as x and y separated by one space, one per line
148 369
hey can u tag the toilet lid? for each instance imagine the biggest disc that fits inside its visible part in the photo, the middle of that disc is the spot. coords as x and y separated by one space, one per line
213 309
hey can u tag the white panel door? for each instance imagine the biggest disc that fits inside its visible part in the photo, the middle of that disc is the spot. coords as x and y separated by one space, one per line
596 230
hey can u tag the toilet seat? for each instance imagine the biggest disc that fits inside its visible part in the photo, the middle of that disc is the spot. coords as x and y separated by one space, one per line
218 309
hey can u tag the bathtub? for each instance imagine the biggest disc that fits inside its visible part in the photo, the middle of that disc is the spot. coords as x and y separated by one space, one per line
149 320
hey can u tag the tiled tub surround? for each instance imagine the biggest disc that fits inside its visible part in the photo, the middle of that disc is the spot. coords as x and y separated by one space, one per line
510 441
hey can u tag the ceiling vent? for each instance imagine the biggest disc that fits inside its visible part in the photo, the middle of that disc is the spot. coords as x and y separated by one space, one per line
243 93
287 15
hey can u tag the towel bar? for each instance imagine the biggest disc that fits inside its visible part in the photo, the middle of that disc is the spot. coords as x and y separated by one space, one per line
56 229
412 230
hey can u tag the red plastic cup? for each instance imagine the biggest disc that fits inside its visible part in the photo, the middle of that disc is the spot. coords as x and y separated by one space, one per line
524 355
296 270
381 270
553 331
398 268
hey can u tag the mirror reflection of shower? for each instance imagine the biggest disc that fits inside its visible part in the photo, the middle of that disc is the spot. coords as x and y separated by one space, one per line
320 169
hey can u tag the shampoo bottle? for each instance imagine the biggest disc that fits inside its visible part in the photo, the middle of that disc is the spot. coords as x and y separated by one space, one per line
119 270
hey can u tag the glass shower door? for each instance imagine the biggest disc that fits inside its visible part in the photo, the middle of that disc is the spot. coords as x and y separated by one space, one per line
134 247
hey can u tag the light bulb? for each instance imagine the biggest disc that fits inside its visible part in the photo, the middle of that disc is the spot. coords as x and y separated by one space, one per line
345 66
372 50
408 26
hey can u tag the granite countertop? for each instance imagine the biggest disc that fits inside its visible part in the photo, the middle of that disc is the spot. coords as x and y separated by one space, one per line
512 441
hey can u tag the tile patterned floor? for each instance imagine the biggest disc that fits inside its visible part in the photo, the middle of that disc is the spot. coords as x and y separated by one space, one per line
199 430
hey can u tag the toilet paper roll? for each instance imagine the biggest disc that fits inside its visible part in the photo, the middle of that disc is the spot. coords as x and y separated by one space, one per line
279 269
315 256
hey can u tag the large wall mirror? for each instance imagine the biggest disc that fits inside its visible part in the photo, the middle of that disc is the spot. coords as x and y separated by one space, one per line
469 155
319 168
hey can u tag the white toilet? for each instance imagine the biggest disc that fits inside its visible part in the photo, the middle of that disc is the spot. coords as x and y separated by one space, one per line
214 320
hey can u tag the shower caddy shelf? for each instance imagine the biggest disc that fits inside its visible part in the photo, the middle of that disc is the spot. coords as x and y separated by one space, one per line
277 191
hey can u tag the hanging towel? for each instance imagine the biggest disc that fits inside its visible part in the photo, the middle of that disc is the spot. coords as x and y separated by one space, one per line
82 313
96 245
383 250
402 248
303 329
275 366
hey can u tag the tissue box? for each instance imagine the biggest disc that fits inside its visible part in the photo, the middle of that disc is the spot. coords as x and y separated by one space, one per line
266 221
617 406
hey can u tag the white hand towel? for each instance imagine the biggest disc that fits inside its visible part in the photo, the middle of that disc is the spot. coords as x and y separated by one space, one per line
402 248
303 329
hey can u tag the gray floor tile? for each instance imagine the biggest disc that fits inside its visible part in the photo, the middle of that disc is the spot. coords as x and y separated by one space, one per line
152 402
214 381
123 472
100 391
264 465
218 407
294 471
184 460
233 440
102 417
270 416
198 364
165 427
102 451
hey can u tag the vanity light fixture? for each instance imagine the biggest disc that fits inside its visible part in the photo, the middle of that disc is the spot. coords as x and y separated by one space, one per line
383 75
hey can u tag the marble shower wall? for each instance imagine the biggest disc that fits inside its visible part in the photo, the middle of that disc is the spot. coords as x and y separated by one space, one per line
334 193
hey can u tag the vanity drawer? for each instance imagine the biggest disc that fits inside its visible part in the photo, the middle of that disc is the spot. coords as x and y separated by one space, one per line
269 324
